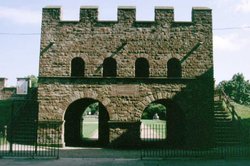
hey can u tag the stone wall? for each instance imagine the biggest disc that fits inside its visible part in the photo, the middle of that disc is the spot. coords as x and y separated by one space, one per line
125 97
126 40
6 92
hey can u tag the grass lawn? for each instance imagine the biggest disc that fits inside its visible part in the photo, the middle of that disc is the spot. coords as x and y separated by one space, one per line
2 141
151 122
90 126
244 112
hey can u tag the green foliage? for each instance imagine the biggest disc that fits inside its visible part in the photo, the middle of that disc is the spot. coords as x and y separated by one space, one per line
154 108
92 109
238 89
34 81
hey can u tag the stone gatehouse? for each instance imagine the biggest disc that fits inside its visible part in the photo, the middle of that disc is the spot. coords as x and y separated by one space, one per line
125 65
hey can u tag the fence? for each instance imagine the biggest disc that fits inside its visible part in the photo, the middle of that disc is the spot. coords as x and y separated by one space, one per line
31 142
155 145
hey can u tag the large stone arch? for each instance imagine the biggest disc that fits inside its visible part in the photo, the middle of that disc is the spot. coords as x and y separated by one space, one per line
73 126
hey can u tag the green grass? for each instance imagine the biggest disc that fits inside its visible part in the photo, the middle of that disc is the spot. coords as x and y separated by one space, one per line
151 122
89 127
244 112
2 141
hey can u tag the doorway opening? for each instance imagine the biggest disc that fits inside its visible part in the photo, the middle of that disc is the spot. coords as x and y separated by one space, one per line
162 124
86 124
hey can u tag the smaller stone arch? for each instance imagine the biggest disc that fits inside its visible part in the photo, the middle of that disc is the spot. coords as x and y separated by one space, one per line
77 67
170 125
141 67
174 68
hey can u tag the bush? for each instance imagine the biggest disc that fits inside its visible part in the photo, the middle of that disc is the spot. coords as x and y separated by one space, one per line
154 108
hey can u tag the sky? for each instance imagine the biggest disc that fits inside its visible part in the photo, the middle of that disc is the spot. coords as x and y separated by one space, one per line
20 27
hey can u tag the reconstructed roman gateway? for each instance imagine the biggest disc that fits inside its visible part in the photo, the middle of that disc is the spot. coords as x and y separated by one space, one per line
124 66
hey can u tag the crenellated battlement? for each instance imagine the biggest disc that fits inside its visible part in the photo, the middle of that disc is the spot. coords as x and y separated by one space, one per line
94 40
127 14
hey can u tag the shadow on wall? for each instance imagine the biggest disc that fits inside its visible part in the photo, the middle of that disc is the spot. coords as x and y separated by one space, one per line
197 102
190 127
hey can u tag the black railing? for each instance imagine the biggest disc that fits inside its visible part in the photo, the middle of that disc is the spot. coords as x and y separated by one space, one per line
27 143
225 99
156 146
243 130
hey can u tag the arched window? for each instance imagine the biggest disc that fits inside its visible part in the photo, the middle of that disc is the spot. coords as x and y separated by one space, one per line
77 67
174 68
109 67
141 67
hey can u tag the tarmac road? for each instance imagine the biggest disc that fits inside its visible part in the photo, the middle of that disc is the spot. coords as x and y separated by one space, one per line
120 162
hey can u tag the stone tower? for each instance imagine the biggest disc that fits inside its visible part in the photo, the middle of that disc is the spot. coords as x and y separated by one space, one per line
125 65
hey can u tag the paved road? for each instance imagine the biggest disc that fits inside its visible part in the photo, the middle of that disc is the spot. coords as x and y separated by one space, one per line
111 157
120 162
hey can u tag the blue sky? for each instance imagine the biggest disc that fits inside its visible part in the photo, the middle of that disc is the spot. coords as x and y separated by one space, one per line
20 22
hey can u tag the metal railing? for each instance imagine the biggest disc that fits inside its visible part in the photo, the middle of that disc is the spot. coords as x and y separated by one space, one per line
244 134
156 146
224 98
28 144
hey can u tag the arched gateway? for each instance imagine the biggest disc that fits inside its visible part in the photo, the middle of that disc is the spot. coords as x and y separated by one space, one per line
74 124
121 67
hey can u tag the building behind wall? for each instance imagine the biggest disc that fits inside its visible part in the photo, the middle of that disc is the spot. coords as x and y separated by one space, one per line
125 65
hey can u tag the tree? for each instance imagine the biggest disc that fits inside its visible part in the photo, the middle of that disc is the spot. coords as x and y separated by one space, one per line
154 108
34 80
238 89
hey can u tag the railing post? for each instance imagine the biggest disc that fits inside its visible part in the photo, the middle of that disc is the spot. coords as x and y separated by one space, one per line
233 113
36 132
220 95
11 127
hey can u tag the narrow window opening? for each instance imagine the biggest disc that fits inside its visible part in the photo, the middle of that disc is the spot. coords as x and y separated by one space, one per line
109 67
77 67
141 68
174 68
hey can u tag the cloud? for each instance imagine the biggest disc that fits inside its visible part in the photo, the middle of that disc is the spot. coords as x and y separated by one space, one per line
243 6
225 43
231 42
20 16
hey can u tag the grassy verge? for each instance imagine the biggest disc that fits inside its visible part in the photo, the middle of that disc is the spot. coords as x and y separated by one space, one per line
244 112
2 141
89 127
151 122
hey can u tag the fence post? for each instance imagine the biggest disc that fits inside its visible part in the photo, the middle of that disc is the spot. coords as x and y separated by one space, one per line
36 130
11 127
233 113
